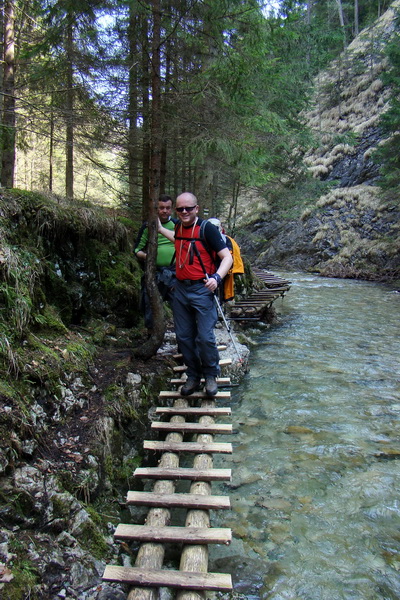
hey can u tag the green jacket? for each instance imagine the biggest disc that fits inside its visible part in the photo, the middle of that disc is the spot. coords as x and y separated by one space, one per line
165 248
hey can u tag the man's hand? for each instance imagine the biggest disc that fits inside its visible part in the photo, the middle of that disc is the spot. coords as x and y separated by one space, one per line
141 255
211 283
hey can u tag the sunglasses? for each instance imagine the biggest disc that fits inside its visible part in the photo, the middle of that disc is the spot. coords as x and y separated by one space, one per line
187 208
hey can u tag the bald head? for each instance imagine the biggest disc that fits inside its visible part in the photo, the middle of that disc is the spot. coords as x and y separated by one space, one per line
187 196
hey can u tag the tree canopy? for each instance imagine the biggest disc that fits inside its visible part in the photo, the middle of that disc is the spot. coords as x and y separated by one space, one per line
234 75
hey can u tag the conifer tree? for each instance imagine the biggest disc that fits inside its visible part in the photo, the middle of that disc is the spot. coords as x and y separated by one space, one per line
60 58
388 155
8 90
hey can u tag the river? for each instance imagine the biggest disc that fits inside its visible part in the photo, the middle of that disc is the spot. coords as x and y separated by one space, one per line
315 489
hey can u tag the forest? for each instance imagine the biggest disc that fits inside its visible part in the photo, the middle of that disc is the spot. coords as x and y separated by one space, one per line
113 102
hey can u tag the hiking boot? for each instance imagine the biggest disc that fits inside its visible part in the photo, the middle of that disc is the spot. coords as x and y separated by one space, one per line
211 387
191 385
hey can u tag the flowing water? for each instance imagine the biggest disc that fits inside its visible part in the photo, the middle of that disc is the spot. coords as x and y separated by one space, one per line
316 478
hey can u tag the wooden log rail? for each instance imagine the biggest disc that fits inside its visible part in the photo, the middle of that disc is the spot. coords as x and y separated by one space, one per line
192 580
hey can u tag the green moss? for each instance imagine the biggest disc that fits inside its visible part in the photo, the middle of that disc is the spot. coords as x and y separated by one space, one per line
119 278
21 502
28 198
120 474
50 319
94 515
92 540
66 480
61 506
22 586
124 473
128 223
118 405
46 358
114 393
18 286
8 391
35 343
58 293
80 353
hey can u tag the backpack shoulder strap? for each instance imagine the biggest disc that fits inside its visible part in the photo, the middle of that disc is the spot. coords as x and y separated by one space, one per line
201 236
202 228
203 240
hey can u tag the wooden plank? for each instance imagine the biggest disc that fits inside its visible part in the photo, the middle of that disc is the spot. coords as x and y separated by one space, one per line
212 447
251 303
165 578
180 473
211 428
220 347
220 380
236 318
194 410
176 394
262 297
251 307
272 289
222 363
195 501
267 294
185 535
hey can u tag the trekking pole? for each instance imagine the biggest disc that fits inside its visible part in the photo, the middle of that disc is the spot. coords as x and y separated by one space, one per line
221 312
217 302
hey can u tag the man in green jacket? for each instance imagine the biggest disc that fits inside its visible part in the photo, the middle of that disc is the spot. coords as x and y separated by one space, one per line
165 257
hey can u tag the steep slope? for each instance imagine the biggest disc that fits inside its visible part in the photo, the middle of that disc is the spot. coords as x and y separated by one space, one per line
350 231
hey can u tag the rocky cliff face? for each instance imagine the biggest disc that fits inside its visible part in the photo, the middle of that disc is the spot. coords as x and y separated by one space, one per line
350 230
349 234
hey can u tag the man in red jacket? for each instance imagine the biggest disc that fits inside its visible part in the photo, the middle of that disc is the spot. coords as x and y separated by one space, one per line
197 278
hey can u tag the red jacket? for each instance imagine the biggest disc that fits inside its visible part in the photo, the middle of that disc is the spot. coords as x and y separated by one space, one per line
188 245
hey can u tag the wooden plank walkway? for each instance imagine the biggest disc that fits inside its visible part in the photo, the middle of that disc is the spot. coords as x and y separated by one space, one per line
194 416
196 419
255 306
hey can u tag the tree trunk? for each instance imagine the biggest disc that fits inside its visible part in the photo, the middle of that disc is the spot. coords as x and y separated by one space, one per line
69 110
51 146
175 173
9 117
204 186
233 208
309 11
164 141
134 200
356 19
145 118
2 32
154 342
341 20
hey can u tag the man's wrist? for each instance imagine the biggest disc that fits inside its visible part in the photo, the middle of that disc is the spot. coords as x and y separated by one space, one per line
217 278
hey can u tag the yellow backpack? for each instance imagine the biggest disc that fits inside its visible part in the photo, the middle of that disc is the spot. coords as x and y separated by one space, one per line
237 267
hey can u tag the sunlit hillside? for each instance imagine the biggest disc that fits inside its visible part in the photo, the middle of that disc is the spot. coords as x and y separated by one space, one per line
335 219
348 100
